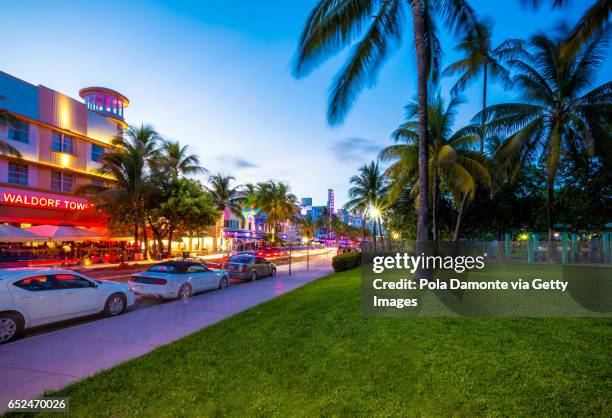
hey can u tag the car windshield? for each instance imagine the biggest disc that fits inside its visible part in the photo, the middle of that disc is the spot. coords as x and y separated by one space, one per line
240 259
163 268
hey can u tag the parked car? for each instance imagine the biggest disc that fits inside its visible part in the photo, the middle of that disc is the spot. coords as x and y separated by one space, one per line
177 280
246 266
36 296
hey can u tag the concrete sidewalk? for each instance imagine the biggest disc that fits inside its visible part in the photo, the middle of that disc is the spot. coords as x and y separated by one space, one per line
50 361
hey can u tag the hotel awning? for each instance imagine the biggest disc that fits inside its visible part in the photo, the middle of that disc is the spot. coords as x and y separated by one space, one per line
10 233
65 233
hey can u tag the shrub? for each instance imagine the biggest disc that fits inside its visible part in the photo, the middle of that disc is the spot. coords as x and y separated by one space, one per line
346 261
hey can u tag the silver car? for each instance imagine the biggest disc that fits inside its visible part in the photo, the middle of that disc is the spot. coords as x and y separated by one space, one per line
246 266
177 280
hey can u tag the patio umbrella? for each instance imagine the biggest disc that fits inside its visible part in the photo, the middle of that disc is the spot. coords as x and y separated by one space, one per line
10 233
65 233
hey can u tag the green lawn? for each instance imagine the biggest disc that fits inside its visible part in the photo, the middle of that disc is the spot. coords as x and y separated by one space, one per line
310 352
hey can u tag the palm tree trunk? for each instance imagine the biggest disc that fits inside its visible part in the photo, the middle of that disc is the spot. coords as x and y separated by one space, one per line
136 230
484 107
549 211
170 236
382 238
435 206
459 215
145 238
422 76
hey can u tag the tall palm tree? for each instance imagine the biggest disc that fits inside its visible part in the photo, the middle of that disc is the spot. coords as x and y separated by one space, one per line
594 19
129 167
368 191
177 161
280 206
480 57
308 227
225 197
334 25
559 114
452 162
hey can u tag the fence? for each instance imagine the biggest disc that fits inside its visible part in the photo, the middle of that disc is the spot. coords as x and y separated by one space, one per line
529 248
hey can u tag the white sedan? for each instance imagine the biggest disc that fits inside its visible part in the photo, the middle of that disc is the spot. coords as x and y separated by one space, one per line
31 297
177 280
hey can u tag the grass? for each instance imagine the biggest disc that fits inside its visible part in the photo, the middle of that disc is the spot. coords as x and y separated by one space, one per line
310 352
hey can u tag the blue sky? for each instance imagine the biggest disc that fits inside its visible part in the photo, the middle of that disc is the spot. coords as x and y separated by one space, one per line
217 75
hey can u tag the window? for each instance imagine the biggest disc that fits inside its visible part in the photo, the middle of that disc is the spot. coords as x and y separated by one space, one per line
35 284
61 182
71 281
197 269
19 131
163 268
96 152
241 259
18 174
62 143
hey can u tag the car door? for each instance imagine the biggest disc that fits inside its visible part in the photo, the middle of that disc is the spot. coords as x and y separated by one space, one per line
199 277
38 298
80 296
260 266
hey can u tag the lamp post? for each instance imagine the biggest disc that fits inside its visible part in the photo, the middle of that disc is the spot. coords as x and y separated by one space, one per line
305 241
375 215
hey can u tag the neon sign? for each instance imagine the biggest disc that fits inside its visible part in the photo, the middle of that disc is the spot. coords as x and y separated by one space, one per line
45 202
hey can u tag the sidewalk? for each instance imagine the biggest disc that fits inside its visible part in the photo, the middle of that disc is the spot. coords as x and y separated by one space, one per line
50 361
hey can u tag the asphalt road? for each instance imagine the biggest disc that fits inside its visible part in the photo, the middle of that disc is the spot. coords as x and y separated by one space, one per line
144 302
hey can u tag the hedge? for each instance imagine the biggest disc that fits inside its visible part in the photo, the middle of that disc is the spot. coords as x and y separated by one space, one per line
346 261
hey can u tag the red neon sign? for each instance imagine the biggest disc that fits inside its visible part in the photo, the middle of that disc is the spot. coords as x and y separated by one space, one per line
46 202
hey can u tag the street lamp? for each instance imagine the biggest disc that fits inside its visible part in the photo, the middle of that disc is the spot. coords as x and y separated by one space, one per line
375 215
305 241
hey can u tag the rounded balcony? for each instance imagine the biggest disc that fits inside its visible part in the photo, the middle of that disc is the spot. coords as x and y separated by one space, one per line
106 101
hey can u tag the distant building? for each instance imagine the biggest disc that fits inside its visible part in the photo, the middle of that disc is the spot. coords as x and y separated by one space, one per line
330 201
343 215
306 206
317 211
355 220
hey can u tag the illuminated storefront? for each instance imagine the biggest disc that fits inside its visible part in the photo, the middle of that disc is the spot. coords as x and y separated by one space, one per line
61 141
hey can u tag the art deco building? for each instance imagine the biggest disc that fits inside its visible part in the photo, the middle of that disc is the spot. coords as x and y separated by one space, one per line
61 141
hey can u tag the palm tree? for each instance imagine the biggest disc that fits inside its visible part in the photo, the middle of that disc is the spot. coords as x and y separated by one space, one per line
368 193
594 20
452 163
308 227
278 203
177 161
334 25
481 58
225 197
129 168
559 115
323 221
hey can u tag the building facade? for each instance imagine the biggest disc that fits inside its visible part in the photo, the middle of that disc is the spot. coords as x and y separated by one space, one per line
61 141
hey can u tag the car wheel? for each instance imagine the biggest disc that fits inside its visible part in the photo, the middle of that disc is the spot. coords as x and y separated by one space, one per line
273 273
253 276
223 283
184 292
10 326
115 304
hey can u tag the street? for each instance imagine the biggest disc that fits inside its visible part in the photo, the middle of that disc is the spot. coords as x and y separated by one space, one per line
298 263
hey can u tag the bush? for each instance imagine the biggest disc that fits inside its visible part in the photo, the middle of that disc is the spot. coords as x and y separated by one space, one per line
346 261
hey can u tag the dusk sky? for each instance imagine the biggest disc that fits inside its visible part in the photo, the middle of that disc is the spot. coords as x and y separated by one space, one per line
217 75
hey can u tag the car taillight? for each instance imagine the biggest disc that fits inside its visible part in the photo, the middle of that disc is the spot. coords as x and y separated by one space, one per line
243 268
160 281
